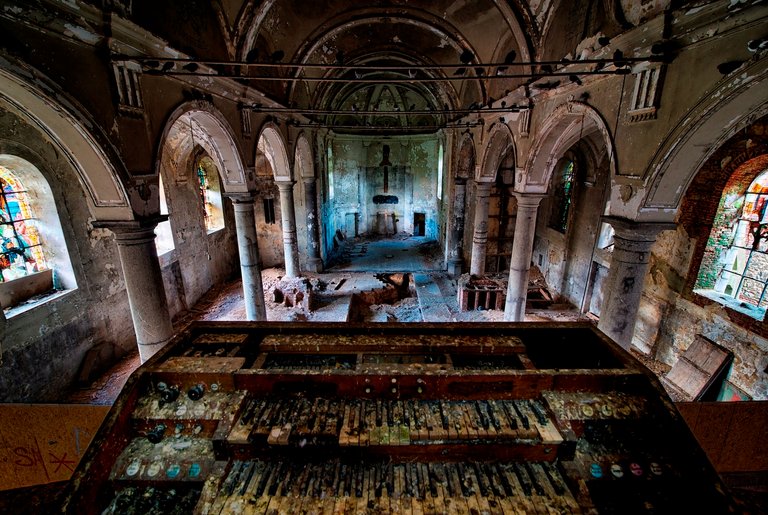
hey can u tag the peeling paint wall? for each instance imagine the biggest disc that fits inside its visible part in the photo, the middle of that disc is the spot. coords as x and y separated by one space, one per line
200 259
45 345
268 232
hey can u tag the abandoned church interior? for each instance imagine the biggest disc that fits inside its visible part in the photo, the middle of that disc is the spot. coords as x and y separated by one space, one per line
468 162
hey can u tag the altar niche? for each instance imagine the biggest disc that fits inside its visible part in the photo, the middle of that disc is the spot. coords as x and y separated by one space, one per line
388 198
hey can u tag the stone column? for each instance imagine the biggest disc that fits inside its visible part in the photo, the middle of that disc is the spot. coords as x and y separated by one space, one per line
288 214
314 262
456 233
248 250
520 261
632 244
143 283
480 235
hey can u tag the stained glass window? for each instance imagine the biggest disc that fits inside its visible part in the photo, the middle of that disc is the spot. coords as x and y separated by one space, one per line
562 196
209 189
202 178
22 251
744 265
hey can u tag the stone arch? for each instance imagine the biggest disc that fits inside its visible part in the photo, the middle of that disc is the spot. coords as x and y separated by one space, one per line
500 143
733 104
199 123
272 145
67 126
567 125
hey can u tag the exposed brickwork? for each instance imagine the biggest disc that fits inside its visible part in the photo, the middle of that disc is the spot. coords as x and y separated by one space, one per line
729 170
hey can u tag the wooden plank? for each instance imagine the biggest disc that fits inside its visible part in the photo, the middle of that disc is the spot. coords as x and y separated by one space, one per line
49 443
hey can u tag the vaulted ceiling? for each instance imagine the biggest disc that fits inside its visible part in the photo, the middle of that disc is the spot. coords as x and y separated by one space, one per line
417 56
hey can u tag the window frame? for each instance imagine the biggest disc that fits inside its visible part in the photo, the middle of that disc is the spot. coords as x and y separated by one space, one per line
710 280
559 216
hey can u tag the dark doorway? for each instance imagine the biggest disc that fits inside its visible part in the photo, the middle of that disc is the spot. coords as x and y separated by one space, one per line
419 224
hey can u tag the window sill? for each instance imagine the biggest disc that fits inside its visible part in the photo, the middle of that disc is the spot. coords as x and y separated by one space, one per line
18 290
731 303
38 301
167 257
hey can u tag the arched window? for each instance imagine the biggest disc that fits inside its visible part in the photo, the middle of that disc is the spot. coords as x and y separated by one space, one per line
209 188
562 193
440 171
736 272
34 261
164 240
22 247
330 173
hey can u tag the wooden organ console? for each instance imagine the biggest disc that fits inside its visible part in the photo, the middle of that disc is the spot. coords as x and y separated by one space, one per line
414 418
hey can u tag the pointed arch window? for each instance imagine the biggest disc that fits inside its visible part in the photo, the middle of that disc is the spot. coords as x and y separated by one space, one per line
737 274
330 173
440 171
22 248
164 240
565 181
209 189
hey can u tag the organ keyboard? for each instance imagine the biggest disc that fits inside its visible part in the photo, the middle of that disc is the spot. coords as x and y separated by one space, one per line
418 418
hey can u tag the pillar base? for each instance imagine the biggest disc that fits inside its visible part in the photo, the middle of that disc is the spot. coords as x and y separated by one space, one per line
455 267
315 265
147 350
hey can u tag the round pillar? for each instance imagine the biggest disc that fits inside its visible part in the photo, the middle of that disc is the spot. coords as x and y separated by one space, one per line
520 260
144 285
632 244
248 250
456 233
480 235
314 262
288 215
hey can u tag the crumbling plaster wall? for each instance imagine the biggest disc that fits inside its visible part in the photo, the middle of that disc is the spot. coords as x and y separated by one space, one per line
669 320
268 233
200 258
45 345
566 260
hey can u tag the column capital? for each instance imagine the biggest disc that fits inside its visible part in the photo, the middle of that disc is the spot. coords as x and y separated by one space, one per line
131 232
637 231
308 179
529 200
130 225
483 188
460 180
285 185
244 197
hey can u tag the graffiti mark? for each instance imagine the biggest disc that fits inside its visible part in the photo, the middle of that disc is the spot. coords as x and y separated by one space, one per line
61 462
